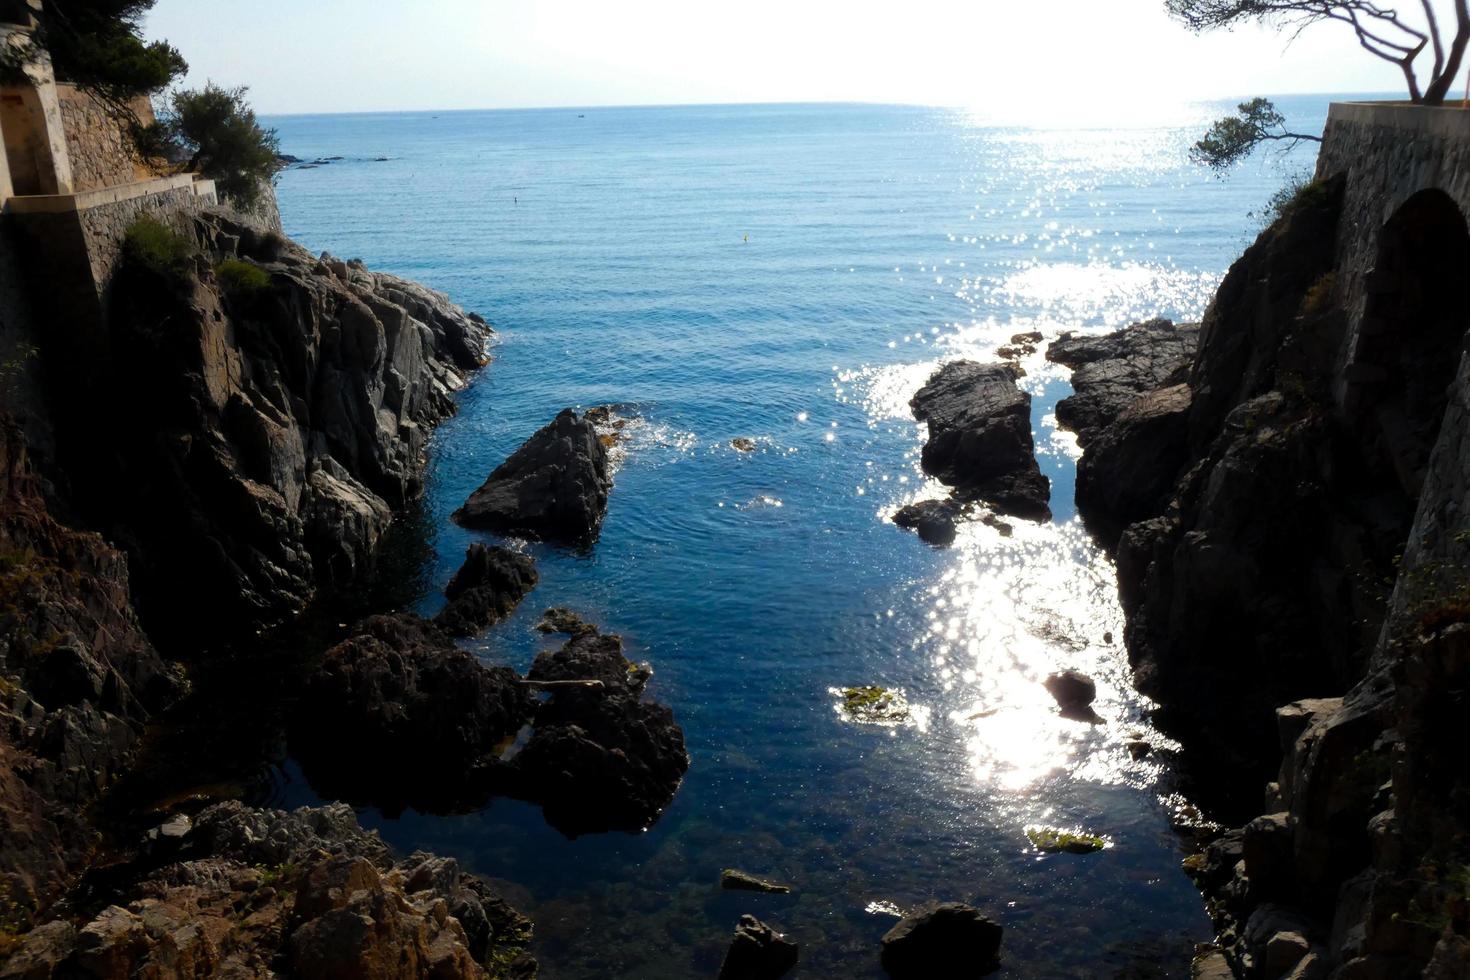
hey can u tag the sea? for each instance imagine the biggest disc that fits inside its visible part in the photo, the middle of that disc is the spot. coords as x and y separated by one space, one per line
792 274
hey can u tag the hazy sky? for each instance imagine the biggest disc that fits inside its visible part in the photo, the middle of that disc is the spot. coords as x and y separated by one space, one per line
1083 58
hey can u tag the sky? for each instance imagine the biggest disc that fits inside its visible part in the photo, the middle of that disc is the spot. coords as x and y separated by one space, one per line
1021 59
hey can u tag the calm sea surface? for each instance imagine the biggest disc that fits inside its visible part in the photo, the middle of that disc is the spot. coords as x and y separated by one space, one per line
792 274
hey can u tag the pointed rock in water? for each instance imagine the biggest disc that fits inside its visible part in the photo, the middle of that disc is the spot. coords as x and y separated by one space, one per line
559 619
490 583
553 488
734 879
948 941
758 952
980 437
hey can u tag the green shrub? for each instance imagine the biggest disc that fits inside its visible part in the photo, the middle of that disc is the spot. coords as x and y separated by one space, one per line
154 245
238 277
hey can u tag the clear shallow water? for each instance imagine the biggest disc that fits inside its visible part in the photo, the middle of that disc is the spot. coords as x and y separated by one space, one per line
793 274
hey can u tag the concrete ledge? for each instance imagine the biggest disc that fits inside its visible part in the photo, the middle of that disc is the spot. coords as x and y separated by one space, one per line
65 203
1452 121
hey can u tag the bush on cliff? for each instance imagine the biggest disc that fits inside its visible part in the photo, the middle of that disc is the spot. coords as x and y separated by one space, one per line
240 278
154 245
214 130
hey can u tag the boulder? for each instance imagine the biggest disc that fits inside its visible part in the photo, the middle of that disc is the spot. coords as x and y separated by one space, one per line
490 583
553 488
942 941
934 520
1072 689
398 715
980 439
600 757
757 952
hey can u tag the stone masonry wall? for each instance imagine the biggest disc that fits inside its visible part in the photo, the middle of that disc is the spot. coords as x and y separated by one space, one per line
98 145
1390 152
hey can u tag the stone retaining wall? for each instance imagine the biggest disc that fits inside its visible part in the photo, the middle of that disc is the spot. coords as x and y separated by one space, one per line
99 145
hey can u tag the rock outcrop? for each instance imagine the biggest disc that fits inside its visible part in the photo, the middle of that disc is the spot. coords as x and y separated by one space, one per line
247 438
554 487
980 437
1130 411
490 583
258 892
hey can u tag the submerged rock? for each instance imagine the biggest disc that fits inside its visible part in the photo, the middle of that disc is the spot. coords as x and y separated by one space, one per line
600 757
398 715
490 583
980 437
743 444
948 941
554 487
734 879
757 952
873 705
559 619
1050 840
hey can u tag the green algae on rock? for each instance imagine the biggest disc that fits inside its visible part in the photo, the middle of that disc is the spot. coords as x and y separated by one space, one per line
873 705
1050 840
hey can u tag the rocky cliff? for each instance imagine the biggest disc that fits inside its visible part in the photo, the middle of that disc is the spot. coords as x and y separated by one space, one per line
1296 590
252 418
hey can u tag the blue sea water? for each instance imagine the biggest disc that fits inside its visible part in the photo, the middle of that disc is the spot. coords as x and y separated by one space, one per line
792 274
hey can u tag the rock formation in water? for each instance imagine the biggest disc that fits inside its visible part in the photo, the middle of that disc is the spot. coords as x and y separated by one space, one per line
942 941
757 952
554 487
490 583
980 437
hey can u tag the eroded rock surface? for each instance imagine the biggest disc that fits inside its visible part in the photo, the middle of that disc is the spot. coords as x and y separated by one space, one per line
980 437
554 487
757 952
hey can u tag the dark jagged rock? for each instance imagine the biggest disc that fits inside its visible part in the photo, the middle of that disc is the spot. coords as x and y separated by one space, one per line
78 683
934 520
253 890
554 487
942 941
599 758
980 437
1130 411
757 952
398 715
249 446
1111 370
490 583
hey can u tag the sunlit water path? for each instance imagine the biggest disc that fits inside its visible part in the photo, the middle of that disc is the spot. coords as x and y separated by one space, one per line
792 274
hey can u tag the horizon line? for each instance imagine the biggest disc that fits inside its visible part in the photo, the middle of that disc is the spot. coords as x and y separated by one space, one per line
728 105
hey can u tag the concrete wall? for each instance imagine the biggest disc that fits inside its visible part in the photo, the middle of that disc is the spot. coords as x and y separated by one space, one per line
99 145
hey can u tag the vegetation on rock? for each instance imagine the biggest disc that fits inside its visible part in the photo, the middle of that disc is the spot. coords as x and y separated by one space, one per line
1050 840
